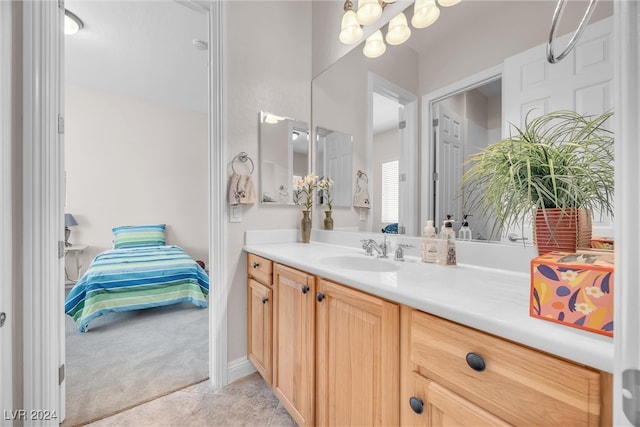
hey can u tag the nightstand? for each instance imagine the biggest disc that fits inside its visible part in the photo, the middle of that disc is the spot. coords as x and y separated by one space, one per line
77 251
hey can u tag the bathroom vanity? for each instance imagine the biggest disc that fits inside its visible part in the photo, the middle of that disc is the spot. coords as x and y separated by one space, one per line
379 342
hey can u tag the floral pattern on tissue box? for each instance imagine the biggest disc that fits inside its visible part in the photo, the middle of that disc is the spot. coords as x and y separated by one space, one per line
574 289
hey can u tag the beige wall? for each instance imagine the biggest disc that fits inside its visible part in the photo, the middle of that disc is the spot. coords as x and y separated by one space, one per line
267 67
130 161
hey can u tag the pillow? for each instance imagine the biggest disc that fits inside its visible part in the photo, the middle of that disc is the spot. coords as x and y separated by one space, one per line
132 236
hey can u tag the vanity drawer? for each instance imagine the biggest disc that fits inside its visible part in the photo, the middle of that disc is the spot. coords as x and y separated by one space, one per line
260 269
517 384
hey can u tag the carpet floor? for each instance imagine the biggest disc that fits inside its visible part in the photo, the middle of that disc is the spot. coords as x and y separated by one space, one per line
133 357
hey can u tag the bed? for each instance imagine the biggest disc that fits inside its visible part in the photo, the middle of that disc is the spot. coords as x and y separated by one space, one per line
140 272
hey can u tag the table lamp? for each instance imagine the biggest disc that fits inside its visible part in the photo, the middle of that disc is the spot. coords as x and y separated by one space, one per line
69 221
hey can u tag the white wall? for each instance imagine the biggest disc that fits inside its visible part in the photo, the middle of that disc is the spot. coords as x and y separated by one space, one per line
131 161
268 68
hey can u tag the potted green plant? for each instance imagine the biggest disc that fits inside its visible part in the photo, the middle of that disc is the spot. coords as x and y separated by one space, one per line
555 172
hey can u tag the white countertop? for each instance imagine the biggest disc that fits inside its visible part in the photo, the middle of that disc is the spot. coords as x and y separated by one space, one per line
490 300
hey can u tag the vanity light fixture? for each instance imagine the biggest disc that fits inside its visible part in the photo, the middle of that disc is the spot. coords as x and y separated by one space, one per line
374 46
398 31
425 13
350 31
369 11
72 24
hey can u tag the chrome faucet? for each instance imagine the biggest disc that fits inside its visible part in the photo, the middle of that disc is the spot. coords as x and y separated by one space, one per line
370 245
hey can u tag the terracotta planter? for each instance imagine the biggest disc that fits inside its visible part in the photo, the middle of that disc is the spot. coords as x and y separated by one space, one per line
561 230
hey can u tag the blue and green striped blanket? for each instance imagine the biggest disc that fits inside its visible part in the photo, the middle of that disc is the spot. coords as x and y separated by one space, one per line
136 278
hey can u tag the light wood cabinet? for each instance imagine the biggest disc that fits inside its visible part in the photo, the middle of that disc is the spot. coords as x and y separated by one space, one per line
259 314
337 356
294 342
512 383
259 332
357 358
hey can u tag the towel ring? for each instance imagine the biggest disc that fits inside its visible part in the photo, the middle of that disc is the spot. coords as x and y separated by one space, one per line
574 39
243 157
362 174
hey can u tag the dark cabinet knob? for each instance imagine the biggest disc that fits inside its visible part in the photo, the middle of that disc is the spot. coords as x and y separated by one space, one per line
319 296
256 264
264 300
305 289
417 405
476 362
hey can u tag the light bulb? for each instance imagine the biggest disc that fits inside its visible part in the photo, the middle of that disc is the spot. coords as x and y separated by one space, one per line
350 32
425 13
368 11
399 31
374 46
447 3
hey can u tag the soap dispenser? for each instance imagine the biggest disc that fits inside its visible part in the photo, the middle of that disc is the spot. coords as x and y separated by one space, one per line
448 243
465 230
429 243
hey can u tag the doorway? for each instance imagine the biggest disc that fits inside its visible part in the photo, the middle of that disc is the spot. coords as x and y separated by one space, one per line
393 117
464 124
470 110
43 329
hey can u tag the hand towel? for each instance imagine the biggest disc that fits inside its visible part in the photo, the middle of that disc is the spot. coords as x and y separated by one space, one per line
241 190
361 195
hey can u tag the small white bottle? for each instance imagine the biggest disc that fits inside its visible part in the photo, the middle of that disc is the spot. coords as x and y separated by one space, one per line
448 243
465 230
429 243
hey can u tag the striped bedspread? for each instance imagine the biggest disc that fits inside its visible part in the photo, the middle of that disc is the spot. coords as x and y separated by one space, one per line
136 278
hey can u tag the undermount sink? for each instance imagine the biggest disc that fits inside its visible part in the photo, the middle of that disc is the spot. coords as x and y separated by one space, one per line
360 263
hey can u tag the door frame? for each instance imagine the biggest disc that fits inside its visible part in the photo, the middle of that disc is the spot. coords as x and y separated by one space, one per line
41 337
428 146
6 181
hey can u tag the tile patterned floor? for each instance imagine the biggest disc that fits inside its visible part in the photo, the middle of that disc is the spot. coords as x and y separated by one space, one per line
246 402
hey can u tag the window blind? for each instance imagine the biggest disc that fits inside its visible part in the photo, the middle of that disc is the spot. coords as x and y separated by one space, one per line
390 174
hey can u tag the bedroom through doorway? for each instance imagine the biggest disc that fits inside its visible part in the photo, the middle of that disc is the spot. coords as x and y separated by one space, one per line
136 144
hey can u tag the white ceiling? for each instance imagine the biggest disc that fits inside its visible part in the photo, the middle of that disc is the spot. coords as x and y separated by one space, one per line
140 48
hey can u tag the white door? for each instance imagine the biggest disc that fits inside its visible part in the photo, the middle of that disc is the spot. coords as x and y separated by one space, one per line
449 154
337 165
581 82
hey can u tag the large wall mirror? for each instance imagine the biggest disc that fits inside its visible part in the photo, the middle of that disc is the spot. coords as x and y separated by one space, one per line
435 65
284 156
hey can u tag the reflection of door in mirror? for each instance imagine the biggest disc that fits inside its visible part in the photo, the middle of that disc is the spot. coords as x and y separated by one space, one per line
334 160
284 154
386 157
465 123
393 158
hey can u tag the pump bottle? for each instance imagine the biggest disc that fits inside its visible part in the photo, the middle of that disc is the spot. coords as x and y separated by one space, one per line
429 243
448 243
465 230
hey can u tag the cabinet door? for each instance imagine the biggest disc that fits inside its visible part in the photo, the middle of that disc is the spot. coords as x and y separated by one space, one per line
432 405
259 332
358 363
293 341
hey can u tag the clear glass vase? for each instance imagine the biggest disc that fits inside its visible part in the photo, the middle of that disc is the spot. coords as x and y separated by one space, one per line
305 227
